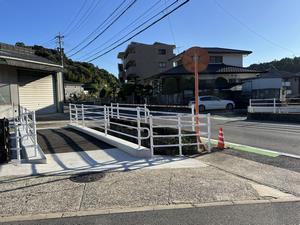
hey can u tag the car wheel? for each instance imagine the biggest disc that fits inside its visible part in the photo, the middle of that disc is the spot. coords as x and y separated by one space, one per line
229 106
201 108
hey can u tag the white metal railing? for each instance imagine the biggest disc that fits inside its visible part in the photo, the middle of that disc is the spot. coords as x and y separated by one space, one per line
273 105
24 128
146 123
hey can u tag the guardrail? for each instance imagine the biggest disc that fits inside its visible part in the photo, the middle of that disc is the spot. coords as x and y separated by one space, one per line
146 123
24 128
289 105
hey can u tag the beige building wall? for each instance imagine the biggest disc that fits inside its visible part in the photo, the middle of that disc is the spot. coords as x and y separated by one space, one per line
147 59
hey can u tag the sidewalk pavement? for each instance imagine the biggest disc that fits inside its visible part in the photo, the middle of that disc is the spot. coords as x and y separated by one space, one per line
138 188
279 178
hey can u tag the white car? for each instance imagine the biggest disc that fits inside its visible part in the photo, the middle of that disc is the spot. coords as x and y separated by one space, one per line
212 102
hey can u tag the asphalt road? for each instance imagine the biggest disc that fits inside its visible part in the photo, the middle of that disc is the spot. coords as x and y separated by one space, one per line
263 213
272 136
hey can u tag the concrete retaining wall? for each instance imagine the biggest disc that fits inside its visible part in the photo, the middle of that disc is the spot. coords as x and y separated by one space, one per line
126 146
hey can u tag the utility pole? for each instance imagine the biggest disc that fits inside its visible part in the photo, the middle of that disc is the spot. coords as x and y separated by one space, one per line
60 41
60 76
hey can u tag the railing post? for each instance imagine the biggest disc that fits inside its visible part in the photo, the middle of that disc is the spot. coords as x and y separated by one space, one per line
108 112
82 114
208 132
34 132
112 110
151 135
274 105
70 112
118 111
179 134
76 114
145 112
17 138
27 124
138 111
193 116
105 120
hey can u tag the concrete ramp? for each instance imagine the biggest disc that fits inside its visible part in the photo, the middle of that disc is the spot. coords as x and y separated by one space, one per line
69 151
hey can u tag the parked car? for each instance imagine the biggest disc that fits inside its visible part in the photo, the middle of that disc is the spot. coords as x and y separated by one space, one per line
212 102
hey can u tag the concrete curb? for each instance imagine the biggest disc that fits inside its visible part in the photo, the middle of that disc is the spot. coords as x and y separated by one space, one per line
255 150
140 209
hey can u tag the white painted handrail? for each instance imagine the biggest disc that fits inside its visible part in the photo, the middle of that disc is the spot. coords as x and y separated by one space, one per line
146 122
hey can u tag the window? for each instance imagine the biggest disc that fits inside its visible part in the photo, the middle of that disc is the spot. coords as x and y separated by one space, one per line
162 65
213 98
5 94
205 99
216 59
162 51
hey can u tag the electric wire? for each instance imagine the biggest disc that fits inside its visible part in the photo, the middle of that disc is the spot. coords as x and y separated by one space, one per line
141 31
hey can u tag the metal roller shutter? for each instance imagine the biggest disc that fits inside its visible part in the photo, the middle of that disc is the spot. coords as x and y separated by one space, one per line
37 93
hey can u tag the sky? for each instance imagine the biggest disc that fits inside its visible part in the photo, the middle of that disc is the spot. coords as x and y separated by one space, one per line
268 28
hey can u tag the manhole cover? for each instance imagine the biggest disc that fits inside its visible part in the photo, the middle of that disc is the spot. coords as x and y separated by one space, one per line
87 177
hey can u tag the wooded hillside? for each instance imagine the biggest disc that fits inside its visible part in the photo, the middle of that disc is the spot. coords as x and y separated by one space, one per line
94 78
286 64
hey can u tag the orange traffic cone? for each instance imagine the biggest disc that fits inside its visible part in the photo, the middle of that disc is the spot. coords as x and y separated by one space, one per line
221 143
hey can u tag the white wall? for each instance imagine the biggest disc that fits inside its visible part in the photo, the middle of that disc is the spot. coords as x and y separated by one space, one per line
233 60
262 83
267 83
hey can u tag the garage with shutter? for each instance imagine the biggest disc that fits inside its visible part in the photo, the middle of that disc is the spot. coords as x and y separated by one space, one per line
30 81
37 92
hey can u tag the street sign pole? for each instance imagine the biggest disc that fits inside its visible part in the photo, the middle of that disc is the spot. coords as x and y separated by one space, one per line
195 60
197 128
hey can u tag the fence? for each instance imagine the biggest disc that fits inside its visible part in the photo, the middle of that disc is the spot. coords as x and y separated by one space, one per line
290 105
24 129
145 122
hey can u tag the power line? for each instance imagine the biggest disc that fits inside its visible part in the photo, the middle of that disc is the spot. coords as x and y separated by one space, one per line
91 53
75 17
115 20
141 31
96 30
85 18
252 30
171 29
136 28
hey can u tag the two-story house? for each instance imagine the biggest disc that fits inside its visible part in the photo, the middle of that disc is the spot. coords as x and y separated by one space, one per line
224 74
140 61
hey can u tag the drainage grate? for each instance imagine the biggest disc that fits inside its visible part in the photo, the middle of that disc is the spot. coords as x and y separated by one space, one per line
87 177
